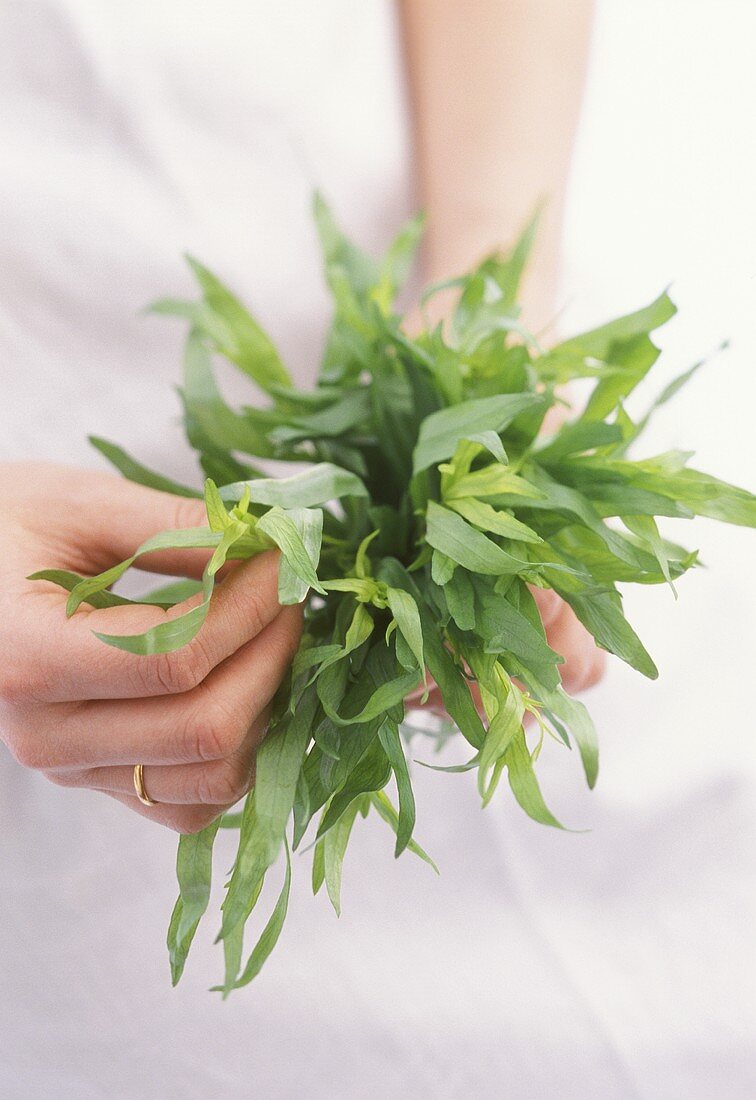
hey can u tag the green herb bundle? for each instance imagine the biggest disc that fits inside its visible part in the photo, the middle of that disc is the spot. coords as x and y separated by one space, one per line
431 503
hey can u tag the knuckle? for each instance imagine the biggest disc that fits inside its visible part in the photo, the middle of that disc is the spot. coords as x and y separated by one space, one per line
206 744
217 730
223 784
29 747
16 685
254 613
179 671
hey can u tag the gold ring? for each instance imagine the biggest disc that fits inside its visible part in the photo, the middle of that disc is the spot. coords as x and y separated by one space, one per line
139 787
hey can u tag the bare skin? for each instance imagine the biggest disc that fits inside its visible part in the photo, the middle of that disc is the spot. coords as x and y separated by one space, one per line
495 87
82 712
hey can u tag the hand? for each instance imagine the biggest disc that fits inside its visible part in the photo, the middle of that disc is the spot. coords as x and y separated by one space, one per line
83 713
584 663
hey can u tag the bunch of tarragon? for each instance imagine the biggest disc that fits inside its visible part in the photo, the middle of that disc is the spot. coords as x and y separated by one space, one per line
432 501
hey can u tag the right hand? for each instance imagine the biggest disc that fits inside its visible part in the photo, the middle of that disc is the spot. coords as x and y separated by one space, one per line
84 713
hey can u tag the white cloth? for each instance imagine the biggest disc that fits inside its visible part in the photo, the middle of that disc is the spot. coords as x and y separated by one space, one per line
613 964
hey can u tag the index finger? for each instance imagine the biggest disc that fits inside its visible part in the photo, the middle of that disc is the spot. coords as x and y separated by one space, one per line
61 660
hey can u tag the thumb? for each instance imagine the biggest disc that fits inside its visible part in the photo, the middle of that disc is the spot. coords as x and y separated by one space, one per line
97 519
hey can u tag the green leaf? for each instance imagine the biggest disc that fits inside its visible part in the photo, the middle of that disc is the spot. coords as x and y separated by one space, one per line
252 862
441 432
507 271
138 473
601 614
491 442
576 438
210 421
703 494
505 629
460 599
442 568
382 803
493 481
174 633
580 724
388 735
278 764
388 695
316 485
186 538
298 534
217 517
194 866
598 342
467 546
343 260
334 849
405 612
505 724
318 866
338 419
670 391
522 780
236 334
619 354
496 522
68 580
371 773
454 688
646 529
270 934
398 261
168 595
563 498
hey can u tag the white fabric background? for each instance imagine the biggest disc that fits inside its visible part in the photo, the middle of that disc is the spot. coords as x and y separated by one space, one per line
614 963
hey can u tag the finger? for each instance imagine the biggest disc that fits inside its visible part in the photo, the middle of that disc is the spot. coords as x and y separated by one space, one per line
182 819
211 722
549 604
583 661
60 659
96 519
218 783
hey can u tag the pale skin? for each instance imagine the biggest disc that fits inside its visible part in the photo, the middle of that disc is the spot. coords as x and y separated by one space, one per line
84 713
495 88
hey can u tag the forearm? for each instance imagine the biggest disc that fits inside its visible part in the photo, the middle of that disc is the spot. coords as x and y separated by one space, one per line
496 87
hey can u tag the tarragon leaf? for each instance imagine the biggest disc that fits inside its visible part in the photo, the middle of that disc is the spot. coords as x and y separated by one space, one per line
271 932
316 485
334 845
138 473
194 872
297 533
467 546
441 432
392 745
